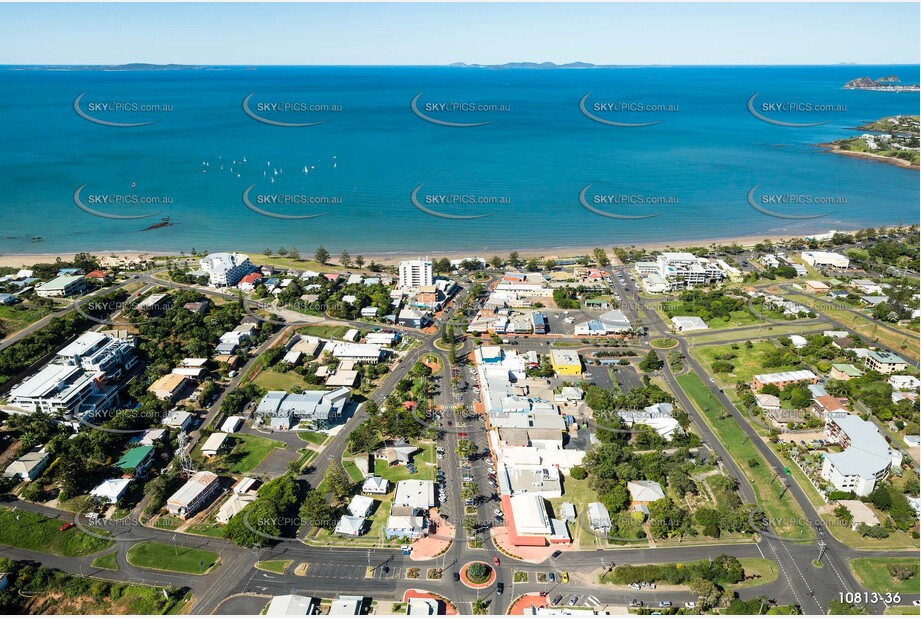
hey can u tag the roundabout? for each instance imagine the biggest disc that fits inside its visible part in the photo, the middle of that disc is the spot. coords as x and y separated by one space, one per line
477 575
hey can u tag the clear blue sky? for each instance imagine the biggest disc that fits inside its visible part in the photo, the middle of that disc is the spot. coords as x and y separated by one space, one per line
300 34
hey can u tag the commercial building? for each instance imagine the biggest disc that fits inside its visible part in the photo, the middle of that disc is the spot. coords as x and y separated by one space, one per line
784 378
198 492
530 524
291 605
566 362
415 273
685 323
168 387
824 259
317 409
225 269
358 352
865 460
215 444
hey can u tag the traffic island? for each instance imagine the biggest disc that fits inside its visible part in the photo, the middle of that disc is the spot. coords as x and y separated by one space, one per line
477 575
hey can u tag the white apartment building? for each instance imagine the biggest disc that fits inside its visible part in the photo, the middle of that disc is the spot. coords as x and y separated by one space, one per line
683 269
225 269
865 460
416 273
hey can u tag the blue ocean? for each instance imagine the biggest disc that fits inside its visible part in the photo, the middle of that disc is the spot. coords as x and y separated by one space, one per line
379 155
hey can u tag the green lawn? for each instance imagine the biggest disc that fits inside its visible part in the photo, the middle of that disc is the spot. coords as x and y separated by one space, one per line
747 362
785 513
250 451
179 559
401 473
902 610
313 437
17 317
274 566
106 561
277 381
873 574
758 571
324 331
27 530
354 473
207 528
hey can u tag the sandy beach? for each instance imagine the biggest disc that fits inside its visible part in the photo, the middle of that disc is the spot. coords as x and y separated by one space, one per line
27 259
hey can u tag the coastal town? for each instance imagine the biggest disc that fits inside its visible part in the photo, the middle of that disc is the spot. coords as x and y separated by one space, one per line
731 428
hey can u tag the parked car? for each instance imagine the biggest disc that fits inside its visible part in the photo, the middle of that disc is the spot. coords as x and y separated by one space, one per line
573 599
564 577
690 604
551 577
67 526
635 586
665 603
556 600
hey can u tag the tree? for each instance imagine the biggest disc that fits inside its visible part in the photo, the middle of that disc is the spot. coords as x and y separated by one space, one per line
708 593
359 260
345 259
480 607
321 255
601 258
315 511
337 482
496 262
651 362
466 449
578 473
268 252
282 251
549 264
514 260
294 254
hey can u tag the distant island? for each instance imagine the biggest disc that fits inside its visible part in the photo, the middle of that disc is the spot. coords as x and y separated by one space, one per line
133 66
894 140
890 83
537 65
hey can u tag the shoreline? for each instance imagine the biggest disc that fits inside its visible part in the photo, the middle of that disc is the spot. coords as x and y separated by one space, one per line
21 260
836 149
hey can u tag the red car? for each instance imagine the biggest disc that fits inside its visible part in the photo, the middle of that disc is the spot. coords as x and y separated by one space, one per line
495 559
67 526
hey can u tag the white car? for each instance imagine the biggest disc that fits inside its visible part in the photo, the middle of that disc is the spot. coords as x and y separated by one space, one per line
690 604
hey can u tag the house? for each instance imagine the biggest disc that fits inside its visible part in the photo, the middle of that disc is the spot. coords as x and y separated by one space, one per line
826 405
360 506
178 419
644 492
232 424
866 286
29 466
904 383
872 301
197 307
685 323
783 379
150 437
844 371
375 485
568 511
7 299
816 287
599 519
168 387
798 341
155 304
233 505
198 492
97 275
768 403
382 339
369 312
291 605
565 362
215 444
342 378
397 453
885 362
110 491
246 485
139 459
61 286
350 525
657 416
